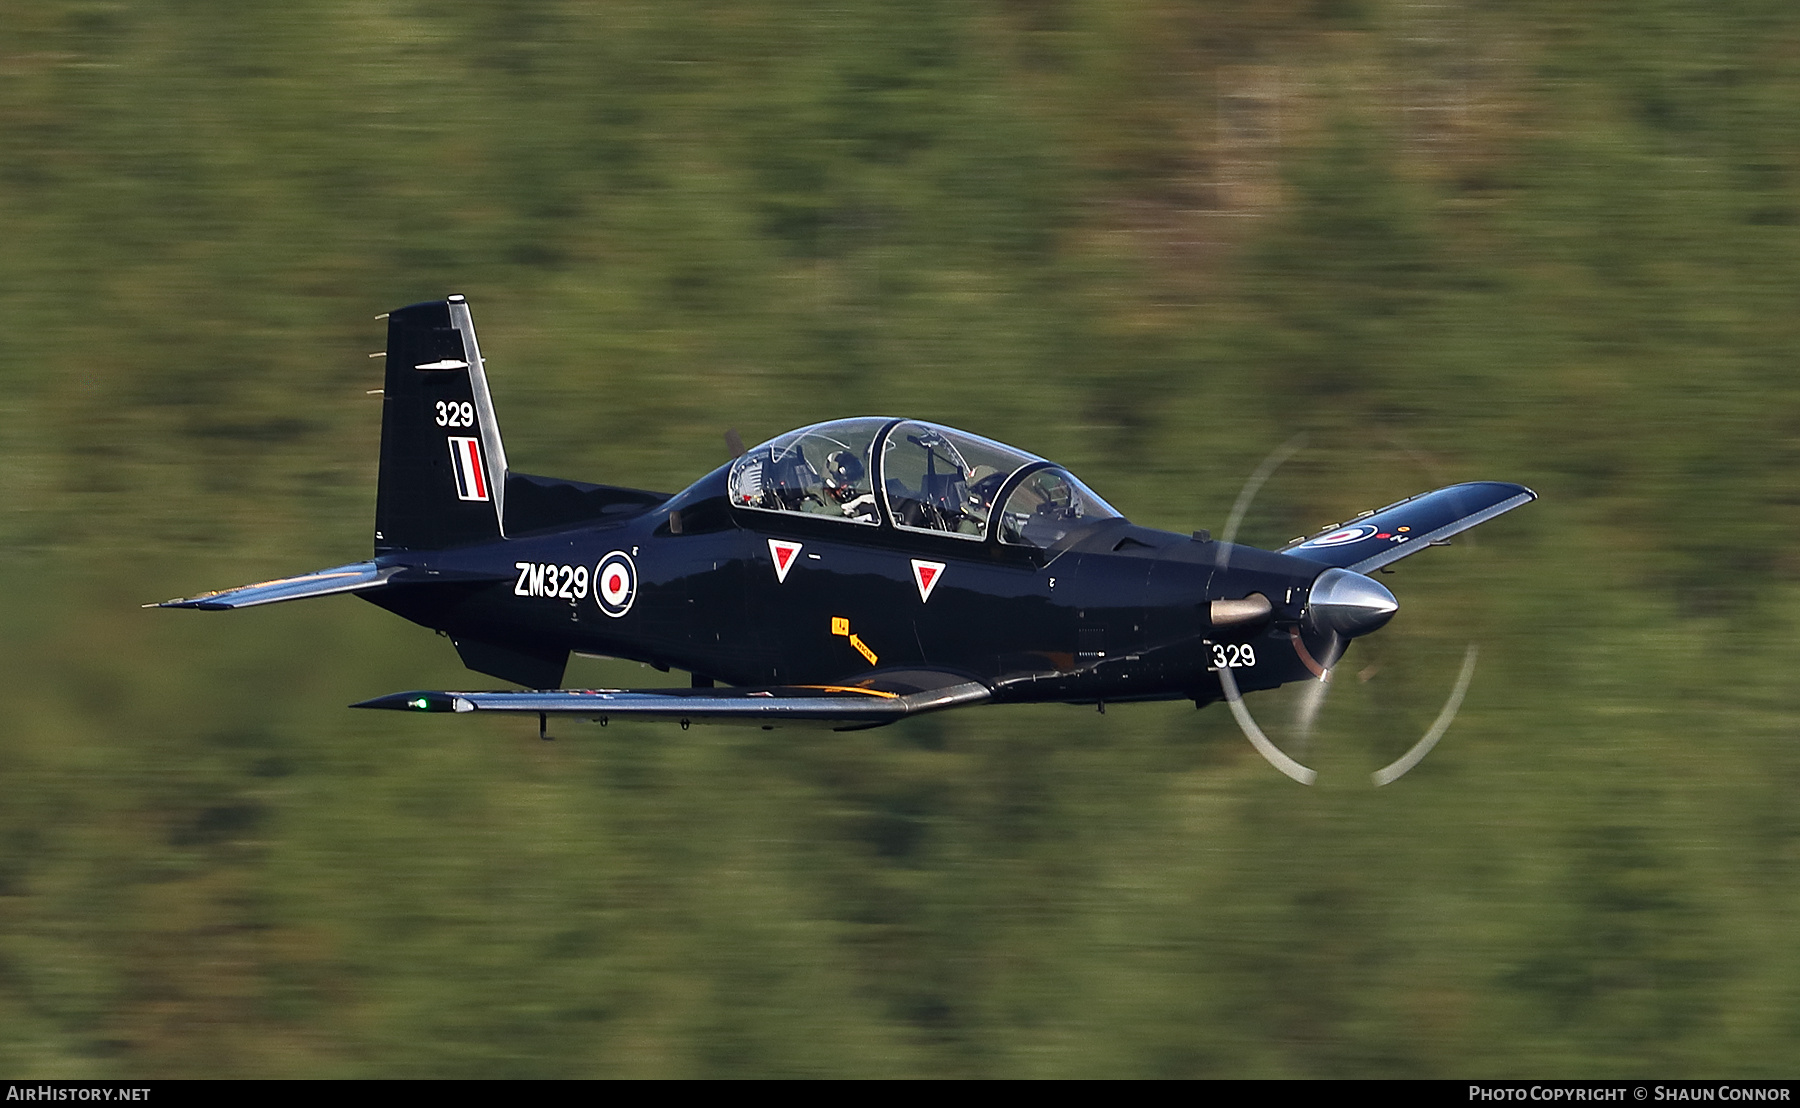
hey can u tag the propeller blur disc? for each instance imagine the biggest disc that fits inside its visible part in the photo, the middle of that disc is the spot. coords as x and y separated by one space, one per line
1398 769
1270 752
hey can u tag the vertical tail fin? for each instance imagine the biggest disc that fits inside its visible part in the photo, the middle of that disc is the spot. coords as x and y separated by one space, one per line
443 468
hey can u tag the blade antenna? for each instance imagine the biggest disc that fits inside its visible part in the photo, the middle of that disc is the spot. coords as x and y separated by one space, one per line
1413 757
1270 752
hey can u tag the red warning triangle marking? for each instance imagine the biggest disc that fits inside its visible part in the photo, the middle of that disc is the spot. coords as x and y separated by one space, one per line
926 575
784 553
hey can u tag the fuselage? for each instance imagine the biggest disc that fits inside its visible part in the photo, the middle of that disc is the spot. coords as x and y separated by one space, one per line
1113 612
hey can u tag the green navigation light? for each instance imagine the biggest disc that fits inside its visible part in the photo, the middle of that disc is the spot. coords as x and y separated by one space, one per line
421 704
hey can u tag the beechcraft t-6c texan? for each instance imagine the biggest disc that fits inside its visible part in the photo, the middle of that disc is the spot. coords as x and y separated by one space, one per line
848 574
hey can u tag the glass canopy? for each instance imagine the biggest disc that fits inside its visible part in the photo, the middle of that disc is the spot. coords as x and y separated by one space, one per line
822 470
918 477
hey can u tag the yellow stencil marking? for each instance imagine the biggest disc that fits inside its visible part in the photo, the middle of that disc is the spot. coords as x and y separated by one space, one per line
840 625
852 689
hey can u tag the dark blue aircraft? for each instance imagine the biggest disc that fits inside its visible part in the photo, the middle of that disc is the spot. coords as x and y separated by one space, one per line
848 574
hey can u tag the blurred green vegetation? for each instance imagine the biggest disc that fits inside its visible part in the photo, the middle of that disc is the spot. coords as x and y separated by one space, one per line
1551 243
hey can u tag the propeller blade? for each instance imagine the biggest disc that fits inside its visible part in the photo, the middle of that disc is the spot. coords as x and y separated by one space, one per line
1252 608
1312 697
1413 757
1248 493
1270 752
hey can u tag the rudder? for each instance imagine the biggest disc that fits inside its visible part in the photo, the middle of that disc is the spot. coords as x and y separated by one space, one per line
443 468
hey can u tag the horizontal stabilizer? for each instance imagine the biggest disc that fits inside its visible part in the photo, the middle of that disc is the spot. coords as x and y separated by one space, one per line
356 577
1374 539
840 706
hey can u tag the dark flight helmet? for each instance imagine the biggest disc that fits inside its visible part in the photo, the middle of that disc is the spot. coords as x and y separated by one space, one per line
843 471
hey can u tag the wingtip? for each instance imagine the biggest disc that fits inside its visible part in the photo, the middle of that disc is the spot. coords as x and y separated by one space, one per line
197 603
418 700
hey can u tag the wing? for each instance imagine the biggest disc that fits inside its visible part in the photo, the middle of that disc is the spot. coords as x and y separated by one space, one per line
844 707
355 577
1374 539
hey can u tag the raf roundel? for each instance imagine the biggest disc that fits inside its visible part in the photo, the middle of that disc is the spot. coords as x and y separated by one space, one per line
615 583
1341 537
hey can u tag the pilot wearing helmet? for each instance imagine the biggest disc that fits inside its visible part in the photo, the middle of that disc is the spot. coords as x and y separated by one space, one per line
844 473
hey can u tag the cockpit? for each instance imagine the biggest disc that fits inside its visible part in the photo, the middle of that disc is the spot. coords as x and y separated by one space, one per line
915 476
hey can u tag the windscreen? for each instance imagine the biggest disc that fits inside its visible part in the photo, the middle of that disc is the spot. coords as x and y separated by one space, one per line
1048 506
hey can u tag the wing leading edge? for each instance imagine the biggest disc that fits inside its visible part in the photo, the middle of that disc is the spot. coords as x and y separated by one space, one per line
1374 539
839 706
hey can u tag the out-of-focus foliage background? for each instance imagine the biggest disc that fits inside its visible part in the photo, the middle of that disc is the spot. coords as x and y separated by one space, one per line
1545 242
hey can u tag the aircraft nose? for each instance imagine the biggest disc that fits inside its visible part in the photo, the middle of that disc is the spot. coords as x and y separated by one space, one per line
1349 604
